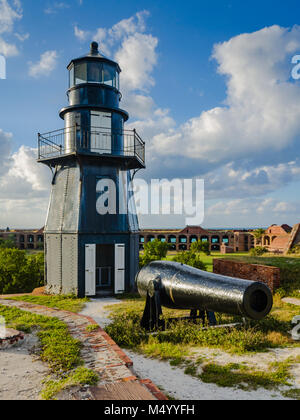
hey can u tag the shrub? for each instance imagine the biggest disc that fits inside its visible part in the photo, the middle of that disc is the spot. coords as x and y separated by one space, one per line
200 246
126 330
154 251
190 258
20 273
295 250
258 251
8 243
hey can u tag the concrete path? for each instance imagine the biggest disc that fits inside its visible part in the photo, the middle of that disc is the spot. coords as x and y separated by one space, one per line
293 301
99 352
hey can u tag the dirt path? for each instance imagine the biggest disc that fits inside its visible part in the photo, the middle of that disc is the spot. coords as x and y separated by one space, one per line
21 374
174 382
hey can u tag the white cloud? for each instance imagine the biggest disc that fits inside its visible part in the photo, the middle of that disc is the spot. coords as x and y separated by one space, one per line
23 214
10 12
81 34
8 49
24 188
137 57
134 50
56 7
24 177
251 212
26 167
231 146
5 149
262 110
45 66
231 182
22 37
135 24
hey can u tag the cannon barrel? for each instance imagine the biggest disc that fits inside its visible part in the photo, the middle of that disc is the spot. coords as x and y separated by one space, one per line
184 287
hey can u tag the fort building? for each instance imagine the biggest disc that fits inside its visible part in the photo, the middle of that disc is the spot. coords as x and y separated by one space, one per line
182 239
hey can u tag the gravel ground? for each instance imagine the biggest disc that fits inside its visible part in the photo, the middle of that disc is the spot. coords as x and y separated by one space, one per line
174 382
21 374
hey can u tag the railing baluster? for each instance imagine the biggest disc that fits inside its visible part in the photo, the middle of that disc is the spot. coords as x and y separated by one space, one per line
52 144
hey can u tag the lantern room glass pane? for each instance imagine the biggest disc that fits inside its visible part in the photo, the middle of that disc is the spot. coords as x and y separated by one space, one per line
95 72
80 73
109 75
117 81
71 77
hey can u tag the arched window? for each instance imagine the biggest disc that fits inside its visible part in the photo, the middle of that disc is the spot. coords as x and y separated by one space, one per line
182 239
225 240
162 238
204 238
215 239
193 239
150 238
172 239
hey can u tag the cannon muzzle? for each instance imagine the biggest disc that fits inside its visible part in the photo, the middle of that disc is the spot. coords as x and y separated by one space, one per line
183 287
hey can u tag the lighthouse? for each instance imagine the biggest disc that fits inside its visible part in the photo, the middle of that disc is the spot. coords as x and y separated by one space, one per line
91 230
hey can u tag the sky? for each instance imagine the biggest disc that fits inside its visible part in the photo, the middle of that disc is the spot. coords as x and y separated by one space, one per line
208 86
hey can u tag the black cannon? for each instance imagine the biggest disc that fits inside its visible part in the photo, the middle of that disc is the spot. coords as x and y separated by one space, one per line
179 286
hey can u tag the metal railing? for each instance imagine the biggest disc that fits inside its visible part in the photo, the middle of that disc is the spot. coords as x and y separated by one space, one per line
103 141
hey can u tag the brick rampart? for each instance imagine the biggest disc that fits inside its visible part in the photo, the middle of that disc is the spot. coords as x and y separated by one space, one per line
263 273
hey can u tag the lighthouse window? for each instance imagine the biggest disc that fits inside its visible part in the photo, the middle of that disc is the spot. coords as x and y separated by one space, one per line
80 73
109 75
117 81
95 72
71 74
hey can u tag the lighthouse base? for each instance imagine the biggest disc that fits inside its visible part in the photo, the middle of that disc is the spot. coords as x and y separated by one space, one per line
91 265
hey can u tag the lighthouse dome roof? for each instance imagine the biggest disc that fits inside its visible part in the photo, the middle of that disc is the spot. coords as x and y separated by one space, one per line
93 55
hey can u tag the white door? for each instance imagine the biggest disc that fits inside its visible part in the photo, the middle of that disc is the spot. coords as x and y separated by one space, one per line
101 139
90 270
119 268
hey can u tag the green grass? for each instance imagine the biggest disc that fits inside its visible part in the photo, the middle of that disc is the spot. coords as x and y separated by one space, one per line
66 303
57 347
292 393
80 376
240 376
178 343
92 327
271 332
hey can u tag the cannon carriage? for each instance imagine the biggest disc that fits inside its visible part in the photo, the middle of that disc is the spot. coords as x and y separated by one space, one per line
177 286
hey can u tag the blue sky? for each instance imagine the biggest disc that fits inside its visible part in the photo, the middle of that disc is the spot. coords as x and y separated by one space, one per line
207 84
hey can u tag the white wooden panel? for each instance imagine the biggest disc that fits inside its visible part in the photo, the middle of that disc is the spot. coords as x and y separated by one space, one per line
101 132
90 270
119 268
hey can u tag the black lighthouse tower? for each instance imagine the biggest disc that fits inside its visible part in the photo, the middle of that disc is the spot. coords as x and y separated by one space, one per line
91 232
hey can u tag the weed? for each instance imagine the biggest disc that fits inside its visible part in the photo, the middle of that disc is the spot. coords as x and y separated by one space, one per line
235 375
92 327
57 347
80 376
67 303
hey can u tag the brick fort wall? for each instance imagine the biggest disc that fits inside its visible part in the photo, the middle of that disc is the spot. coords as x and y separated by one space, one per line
265 274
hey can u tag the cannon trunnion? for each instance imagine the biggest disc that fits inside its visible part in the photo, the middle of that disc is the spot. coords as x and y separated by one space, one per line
179 286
